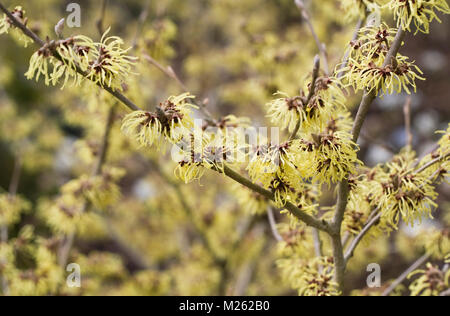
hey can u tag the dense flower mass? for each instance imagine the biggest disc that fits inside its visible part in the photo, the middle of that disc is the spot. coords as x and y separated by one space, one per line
368 70
97 174
172 119
313 277
421 12
105 63
402 193
431 281
311 111
358 9
109 65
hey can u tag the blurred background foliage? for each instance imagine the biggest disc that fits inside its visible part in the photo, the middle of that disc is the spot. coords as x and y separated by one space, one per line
162 237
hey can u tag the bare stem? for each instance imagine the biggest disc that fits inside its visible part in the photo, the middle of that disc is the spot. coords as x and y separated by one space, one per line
140 25
273 224
168 71
318 245
405 274
407 114
360 236
100 21
431 162
294 210
305 14
312 88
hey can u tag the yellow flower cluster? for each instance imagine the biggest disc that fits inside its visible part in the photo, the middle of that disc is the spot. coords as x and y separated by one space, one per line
312 277
312 113
437 243
172 121
421 12
69 211
329 157
400 192
251 202
102 190
362 207
6 25
105 63
11 207
366 68
358 9
44 276
297 239
432 281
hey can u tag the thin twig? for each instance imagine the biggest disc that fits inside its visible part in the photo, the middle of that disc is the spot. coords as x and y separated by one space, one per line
445 293
105 141
407 114
140 25
301 6
273 224
360 236
168 71
100 21
431 162
312 88
294 210
405 274
318 245
340 72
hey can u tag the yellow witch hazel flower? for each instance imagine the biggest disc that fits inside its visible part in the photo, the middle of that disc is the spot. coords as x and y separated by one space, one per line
110 65
357 9
312 277
11 208
327 96
439 171
401 193
190 164
437 243
188 171
286 111
40 273
362 207
172 119
365 69
273 166
432 281
102 190
251 202
144 127
105 63
327 157
74 54
213 152
63 214
422 12
6 24
297 239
